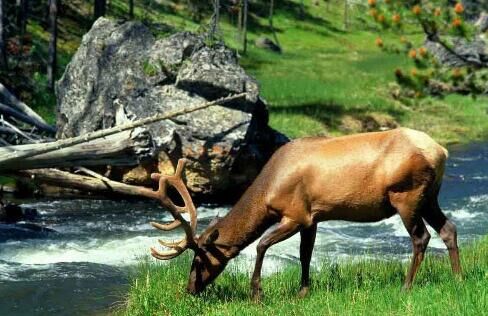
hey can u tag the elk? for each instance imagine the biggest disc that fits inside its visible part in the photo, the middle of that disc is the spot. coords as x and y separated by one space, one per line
362 178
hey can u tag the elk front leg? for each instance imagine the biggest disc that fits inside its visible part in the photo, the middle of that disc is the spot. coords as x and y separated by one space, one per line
306 248
285 229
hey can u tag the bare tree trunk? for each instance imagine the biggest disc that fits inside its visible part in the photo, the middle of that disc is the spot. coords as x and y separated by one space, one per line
52 51
99 8
270 19
22 17
11 112
12 101
131 9
244 26
214 23
302 10
239 22
3 52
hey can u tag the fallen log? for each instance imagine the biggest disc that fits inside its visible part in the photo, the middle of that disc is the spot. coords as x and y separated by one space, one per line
17 157
10 111
122 149
83 183
12 128
10 99
7 130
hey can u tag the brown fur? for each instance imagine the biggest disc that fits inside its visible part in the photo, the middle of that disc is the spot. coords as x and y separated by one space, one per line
362 178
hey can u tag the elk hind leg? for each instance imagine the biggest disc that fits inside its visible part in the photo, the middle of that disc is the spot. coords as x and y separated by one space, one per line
306 248
446 230
408 205
420 239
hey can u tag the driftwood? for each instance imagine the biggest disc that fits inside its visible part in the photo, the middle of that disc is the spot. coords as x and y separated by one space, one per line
29 156
124 148
10 111
8 127
83 183
20 106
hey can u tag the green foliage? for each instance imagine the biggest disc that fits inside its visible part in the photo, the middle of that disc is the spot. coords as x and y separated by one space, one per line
323 77
442 23
150 69
366 287
43 98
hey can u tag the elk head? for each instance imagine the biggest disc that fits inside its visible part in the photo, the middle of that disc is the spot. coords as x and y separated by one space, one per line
209 259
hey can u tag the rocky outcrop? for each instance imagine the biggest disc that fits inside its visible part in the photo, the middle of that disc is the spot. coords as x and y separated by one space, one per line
121 72
482 22
474 52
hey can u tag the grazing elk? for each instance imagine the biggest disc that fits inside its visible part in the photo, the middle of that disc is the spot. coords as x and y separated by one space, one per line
361 178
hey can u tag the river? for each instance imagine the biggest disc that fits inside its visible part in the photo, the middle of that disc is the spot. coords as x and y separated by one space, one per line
83 268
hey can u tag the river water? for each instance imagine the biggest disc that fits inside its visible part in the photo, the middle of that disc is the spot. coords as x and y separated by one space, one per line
83 267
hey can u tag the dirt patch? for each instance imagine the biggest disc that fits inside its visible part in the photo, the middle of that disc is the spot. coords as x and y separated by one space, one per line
369 122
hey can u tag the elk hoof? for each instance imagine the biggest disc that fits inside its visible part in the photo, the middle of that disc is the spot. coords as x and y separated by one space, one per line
303 292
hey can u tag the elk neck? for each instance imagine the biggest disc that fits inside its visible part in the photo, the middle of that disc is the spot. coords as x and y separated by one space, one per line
246 221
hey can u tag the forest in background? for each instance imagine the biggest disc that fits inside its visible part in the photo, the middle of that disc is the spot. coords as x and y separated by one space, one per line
323 76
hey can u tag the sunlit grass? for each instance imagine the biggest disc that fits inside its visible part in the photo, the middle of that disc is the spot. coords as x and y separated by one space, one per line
324 75
367 287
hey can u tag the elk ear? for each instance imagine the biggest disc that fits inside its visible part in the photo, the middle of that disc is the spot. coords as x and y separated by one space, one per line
212 237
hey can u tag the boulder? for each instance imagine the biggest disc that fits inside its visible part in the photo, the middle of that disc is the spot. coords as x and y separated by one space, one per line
121 72
266 43
482 22
12 213
475 52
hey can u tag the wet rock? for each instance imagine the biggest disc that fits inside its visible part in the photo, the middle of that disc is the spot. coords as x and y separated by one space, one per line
121 73
13 213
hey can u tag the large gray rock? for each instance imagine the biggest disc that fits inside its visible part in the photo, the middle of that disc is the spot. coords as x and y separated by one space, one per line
121 73
475 51
482 22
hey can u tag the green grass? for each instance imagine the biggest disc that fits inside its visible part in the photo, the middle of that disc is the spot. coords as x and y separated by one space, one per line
325 77
367 287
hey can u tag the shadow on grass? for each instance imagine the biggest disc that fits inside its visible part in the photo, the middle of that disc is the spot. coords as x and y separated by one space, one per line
329 114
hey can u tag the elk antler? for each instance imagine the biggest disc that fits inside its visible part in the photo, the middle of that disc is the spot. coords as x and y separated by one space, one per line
190 228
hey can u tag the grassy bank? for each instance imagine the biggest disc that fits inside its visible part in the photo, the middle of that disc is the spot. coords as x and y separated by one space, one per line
368 287
327 80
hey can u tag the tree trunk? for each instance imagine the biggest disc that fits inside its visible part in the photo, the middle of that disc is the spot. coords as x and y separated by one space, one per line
3 52
122 149
22 17
131 9
346 8
73 181
11 112
214 26
99 8
270 19
244 26
52 51
20 106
